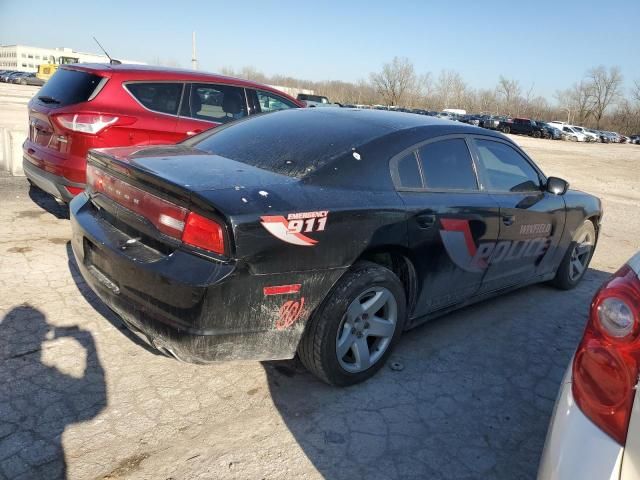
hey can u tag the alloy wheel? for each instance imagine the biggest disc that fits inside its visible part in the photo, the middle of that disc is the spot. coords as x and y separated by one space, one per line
580 256
367 329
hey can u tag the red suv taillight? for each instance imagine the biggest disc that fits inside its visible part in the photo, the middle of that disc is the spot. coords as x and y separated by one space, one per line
91 123
606 364
170 219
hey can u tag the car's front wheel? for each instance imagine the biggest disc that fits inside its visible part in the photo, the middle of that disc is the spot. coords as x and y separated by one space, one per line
506 130
577 257
353 332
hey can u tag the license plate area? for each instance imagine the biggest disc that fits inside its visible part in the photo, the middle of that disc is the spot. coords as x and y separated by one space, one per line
97 266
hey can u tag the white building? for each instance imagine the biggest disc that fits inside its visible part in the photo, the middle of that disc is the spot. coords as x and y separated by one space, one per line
26 59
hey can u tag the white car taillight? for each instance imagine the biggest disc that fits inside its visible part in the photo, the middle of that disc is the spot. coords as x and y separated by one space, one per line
85 122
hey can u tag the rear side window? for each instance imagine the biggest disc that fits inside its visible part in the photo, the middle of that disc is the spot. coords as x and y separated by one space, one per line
68 87
408 171
506 170
447 165
272 103
215 103
159 97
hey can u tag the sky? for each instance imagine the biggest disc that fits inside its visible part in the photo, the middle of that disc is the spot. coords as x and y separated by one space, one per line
547 45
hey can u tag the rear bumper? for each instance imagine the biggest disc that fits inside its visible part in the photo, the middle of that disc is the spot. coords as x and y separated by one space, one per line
575 447
196 309
49 182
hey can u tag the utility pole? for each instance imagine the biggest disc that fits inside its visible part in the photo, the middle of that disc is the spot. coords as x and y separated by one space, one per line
194 60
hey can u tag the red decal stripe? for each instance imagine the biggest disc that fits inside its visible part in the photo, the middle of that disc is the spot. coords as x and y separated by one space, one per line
282 289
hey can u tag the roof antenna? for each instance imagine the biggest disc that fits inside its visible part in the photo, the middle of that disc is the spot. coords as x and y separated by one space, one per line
111 60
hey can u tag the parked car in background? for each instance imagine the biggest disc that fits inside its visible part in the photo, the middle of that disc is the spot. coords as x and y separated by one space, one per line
28 79
6 77
522 126
590 137
573 135
163 237
492 122
557 124
316 100
86 106
635 139
599 135
550 132
470 119
594 433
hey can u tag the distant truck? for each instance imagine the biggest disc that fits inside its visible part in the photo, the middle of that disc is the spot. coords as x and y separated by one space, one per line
522 126
46 70
316 100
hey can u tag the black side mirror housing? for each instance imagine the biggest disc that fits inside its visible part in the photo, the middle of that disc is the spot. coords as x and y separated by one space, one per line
557 186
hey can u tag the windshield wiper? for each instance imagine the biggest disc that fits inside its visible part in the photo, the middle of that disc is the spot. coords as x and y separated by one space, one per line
48 99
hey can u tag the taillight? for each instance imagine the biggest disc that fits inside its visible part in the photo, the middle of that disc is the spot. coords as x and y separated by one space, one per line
606 364
91 123
170 219
203 233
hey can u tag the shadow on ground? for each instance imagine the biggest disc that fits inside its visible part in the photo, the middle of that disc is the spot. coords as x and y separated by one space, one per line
37 399
98 305
48 203
473 400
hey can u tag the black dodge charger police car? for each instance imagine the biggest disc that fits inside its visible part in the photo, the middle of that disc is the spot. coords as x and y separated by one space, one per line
326 232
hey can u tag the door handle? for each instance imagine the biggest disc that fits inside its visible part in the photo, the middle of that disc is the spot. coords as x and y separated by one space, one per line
426 220
508 220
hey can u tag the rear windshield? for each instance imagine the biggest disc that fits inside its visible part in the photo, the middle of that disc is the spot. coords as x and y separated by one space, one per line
67 87
285 142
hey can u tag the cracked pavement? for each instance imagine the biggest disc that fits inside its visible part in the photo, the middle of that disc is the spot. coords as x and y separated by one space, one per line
81 397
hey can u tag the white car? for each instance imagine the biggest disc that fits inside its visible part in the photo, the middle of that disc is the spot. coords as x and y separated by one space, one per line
594 432
591 137
573 135
558 124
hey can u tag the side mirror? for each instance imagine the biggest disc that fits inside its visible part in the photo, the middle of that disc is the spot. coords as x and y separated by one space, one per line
557 186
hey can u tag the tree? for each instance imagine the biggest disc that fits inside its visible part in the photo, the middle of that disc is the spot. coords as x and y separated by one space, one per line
510 90
606 86
450 89
396 79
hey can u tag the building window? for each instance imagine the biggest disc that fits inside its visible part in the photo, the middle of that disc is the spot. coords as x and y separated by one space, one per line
24 64
24 55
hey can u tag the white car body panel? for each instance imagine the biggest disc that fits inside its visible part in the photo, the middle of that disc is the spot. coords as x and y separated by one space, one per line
631 459
576 449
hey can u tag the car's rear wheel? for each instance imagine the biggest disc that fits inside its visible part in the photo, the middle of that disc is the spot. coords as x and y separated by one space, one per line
352 333
536 134
506 130
577 257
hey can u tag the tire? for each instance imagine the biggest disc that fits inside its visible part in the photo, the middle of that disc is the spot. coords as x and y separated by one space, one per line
506 130
567 276
573 138
318 349
536 134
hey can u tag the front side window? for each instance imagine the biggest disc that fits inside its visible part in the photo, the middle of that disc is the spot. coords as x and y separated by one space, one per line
447 165
272 103
159 97
505 169
215 103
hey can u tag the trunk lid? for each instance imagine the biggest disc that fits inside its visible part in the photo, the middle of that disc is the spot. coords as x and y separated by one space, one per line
187 169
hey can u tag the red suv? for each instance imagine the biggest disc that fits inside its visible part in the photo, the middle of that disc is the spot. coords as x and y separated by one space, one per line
95 106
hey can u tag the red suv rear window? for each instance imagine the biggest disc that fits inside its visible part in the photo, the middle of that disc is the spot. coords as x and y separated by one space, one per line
67 87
